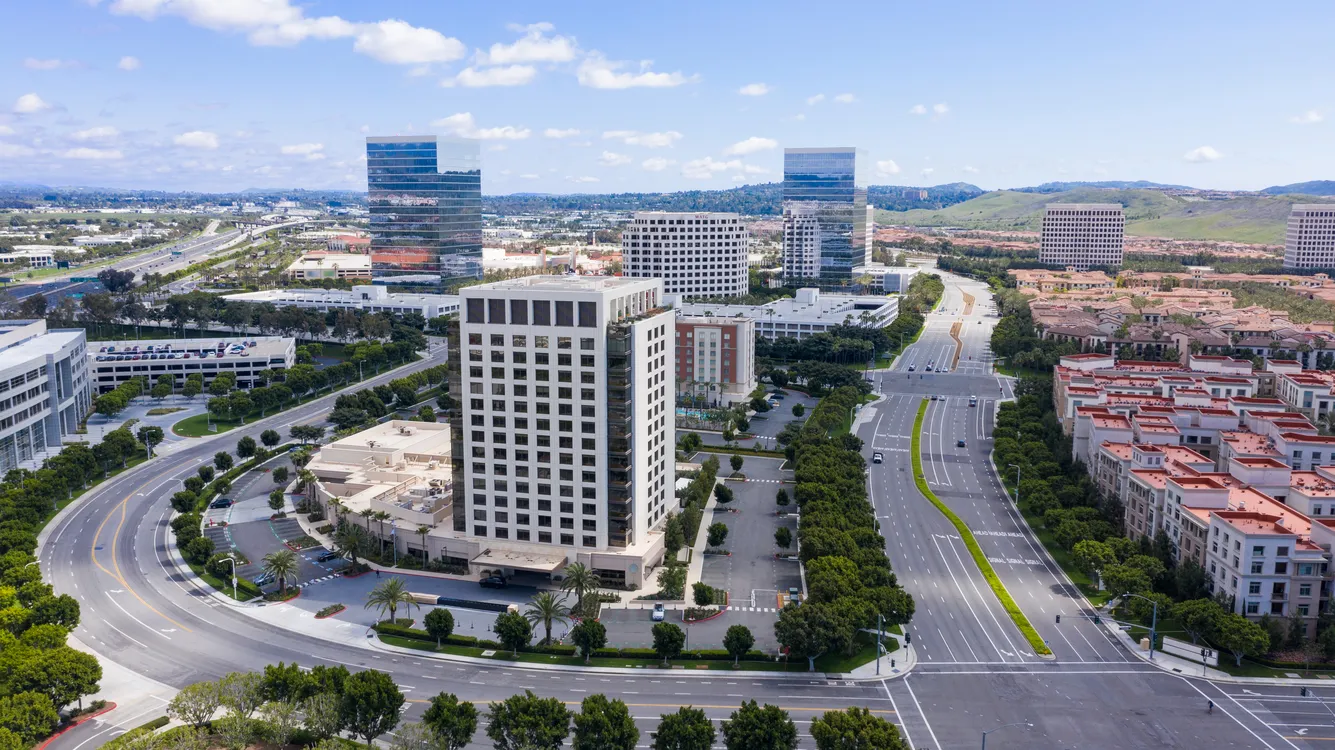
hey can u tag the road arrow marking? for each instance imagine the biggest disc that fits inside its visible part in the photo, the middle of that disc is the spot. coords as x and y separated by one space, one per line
1301 732
1248 692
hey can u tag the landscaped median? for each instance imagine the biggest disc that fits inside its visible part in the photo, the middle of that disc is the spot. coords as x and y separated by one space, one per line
998 588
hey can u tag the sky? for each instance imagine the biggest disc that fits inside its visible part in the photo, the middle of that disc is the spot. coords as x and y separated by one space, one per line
593 96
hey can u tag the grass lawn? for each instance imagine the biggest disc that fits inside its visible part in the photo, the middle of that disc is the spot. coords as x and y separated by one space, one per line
245 589
160 411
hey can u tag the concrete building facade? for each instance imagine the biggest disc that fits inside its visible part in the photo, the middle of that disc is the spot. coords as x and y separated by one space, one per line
1309 239
715 359
45 389
1080 235
114 362
696 255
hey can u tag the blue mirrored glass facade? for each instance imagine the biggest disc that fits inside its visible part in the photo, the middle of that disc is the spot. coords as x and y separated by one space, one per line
830 183
425 199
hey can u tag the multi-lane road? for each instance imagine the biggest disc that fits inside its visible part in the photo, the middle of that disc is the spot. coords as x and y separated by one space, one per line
975 671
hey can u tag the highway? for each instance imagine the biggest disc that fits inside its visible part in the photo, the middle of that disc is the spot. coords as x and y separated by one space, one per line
110 551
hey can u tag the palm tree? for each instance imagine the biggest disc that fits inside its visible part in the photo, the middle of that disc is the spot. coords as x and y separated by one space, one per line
367 513
349 541
422 531
388 596
546 609
282 565
580 580
305 478
380 517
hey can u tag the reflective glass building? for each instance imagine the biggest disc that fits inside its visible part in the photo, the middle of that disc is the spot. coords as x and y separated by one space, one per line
425 197
829 184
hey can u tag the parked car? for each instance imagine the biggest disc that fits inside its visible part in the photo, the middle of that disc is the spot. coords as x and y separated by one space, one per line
492 582
794 595
777 394
659 612
933 396
326 556
877 458
222 502
263 579
929 368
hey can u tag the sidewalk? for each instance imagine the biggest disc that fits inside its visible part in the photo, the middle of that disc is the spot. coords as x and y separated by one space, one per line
900 662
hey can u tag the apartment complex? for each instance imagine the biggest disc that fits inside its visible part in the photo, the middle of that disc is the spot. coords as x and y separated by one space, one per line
695 254
1080 235
425 203
563 445
715 359
367 297
44 388
807 313
114 362
322 265
825 193
1309 240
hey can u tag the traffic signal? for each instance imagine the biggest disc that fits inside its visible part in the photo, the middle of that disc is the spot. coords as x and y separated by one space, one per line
1303 692
1096 618
1059 619
908 638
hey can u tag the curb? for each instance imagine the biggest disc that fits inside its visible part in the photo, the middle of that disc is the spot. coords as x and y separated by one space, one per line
341 609
105 709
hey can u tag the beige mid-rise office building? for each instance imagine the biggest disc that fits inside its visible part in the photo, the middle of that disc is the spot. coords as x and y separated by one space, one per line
1081 235
1309 241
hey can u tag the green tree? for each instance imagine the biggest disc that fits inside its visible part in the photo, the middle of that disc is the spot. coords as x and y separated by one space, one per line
280 719
1241 637
195 703
804 631
588 636
193 387
241 692
323 716
737 462
527 722
717 534
28 715
1091 557
738 640
245 447
284 683
514 631
782 497
388 595
452 721
686 729
723 494
270 438
783 536
439 624
668 640
206 473
753 727
604 724
280 475
854 729
282 565
276 500
1198 617
223 460
579 579
799 410
370 704
545 608
1124 579
1327 642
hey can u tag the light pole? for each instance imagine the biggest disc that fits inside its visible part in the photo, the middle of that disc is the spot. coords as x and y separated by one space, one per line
1024 724
1154 619
232 559
1017 483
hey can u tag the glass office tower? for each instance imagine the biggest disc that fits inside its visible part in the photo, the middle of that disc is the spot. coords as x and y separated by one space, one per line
425 197
829 185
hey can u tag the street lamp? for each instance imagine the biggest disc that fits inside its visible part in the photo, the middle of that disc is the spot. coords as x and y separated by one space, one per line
1154 619
1017 483
231 557
1024 724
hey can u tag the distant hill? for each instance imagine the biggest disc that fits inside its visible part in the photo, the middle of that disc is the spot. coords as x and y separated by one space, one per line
1149 213
764 199
1315 187
1061 187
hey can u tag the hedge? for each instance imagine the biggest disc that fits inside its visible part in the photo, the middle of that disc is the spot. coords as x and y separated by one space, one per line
998 588
467 641
698 655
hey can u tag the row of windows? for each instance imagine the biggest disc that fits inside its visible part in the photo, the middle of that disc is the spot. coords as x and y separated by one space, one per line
494 312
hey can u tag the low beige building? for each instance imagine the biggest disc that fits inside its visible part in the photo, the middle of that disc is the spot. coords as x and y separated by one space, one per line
322 265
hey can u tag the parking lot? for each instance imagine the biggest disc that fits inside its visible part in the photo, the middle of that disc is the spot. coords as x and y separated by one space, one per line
764 426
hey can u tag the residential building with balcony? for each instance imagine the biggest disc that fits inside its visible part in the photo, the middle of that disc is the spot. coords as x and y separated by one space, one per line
45 389
715 359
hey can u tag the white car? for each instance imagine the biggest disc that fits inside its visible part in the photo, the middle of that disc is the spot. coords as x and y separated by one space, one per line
659 613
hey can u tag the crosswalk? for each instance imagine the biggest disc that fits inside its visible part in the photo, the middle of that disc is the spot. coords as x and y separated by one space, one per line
314 581
750 609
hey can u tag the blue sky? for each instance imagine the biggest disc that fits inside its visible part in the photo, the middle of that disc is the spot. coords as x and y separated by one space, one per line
615 96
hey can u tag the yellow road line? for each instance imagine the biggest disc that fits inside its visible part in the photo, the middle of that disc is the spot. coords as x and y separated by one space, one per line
703 705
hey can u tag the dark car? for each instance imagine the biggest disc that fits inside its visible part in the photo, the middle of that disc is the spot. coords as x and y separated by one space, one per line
492 582
326 556
777 394
222 502
959 443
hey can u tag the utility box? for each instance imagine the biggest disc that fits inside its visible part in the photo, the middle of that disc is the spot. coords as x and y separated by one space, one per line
1145 644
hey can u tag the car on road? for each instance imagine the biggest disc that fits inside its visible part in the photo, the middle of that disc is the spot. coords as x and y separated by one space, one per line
326 556
944 369
777 394
877 458
933 396
222 502
263 579
928 368
659 612
912 368
492 582
973 401
959 443
794 595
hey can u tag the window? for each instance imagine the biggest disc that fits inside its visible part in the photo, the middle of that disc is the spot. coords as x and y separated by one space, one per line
1257 567
588 315
1254 587
1258 551
1253 608
519 313
565 314
1282 552
542 316
476 314
1304 589
496 311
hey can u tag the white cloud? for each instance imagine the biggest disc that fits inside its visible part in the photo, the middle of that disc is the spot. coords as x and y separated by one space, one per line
817 99
463 125
560 132
970 170
309 150
753 169
364 129
129 62
886 168
280 23
12 150
1310 117
6 130
30 104
845 99
497 147
528 176
750 146
92 154
927 172
703 169
510 75
918 109
656 164
535 46
648 140
613 159
940 109
596 71
200 139
54 63
101 132
754 89
585 178
1202 154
